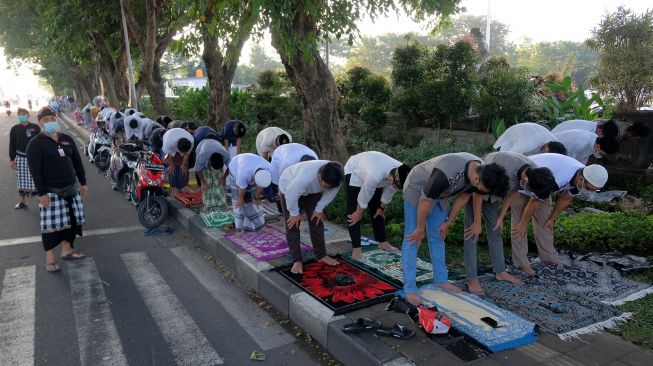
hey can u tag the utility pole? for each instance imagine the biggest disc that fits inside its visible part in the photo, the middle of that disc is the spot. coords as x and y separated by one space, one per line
133 100
487 28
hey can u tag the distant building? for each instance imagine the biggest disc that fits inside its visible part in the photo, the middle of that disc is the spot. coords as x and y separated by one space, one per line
195 83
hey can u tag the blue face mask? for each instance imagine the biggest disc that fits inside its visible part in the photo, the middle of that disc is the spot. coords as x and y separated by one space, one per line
51 127
22 119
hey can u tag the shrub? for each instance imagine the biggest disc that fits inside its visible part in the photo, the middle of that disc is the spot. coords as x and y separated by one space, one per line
504 91
364 96
192 105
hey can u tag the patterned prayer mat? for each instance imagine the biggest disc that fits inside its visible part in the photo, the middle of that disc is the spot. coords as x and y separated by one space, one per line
466 311
189 199
551 307
263 246
387 265
332 233
599 283
341 288
216 217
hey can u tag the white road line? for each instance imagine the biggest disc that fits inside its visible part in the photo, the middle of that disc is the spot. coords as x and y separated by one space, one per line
189 346
256 322
17 303
96 232
99 343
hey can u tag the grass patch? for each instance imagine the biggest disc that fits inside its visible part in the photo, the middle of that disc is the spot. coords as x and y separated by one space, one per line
639 329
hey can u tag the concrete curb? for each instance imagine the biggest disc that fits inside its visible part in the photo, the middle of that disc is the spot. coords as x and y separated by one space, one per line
302 309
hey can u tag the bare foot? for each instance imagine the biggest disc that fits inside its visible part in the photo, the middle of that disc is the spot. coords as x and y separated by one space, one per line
450 287
297 268
505 276
474 286
357 254
328 260
265 229
388 247
528 270
413 298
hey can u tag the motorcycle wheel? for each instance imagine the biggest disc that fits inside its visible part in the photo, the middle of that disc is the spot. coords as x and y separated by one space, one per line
152 211
123 181
102 160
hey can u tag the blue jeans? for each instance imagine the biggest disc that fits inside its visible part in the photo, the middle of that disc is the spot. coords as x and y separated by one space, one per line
436 246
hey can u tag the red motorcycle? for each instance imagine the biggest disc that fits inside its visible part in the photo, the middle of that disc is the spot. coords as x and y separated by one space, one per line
146 190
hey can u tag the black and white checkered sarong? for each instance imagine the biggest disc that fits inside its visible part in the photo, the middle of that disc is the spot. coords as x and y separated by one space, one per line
23 177
57 216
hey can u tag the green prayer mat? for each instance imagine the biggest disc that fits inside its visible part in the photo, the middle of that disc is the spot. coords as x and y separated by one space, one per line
217 218
387 265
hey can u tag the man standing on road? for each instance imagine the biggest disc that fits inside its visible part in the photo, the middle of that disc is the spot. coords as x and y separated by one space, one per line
57 168
19 137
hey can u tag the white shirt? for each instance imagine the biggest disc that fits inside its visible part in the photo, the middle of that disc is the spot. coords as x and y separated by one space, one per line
170 139
130 132
242 168
369 170
525 138
266 140
144 123
301 179
563 168
205 149
579 143
576 124
288 155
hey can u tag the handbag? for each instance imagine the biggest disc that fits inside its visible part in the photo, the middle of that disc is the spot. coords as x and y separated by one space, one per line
65 192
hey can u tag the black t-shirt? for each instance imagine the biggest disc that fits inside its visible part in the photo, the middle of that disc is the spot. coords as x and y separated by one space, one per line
20 136
53 163
228 133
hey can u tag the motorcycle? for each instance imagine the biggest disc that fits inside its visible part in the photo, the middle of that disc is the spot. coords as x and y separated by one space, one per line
8 111
99 149
122 164
146 190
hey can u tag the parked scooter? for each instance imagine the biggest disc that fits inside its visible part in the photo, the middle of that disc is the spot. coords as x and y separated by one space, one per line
123 162
146 190
99 147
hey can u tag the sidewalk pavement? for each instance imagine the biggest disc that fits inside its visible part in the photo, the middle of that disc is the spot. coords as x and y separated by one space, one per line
367 349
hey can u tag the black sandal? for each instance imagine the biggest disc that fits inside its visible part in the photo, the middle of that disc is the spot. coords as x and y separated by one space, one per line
361 325
397 331
20 205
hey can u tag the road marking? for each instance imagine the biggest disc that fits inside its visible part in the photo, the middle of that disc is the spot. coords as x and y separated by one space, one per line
256 322
99 343
36 239
185 339
17 303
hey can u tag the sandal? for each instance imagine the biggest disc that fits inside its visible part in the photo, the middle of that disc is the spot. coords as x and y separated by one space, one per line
74 255
52 267
361 325
397 331
20 205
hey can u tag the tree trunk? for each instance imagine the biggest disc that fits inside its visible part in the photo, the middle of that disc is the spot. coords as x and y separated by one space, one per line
156 90
213 62
317 88
109 88
120 80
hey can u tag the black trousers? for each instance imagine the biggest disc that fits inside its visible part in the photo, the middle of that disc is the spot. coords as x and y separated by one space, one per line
378 223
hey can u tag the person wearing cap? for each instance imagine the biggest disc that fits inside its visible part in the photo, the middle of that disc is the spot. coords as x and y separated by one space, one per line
309 186
269 139
581 144
249 174
231 135
19 137
571 179
58 172
528 138
372 178
427 190
607 128
210 161
518 167
177 146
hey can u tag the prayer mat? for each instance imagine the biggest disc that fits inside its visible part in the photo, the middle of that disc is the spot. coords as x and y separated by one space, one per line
387 265
551 307
216 217
466 311
332 233
599 283
263 246
341 288
189 199
270 208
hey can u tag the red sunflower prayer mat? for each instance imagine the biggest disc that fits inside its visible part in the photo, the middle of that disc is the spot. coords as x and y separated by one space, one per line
264 246
341 288
189 199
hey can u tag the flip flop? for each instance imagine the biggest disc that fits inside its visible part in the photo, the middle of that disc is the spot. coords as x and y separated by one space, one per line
397 331
361 325
20 205
52 267
74 255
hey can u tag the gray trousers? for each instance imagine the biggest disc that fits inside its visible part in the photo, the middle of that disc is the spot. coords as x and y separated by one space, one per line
490 213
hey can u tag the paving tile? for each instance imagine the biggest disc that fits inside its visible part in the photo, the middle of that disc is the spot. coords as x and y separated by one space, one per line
641 358
513 357
401 361
357 349
554 342
312 316
613 345
589 355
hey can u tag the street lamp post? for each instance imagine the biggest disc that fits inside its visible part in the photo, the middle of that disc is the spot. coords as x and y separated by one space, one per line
133 100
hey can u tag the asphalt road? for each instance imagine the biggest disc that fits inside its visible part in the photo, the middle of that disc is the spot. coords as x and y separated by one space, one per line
136 300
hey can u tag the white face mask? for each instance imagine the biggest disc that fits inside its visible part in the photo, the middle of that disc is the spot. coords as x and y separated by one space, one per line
597 154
